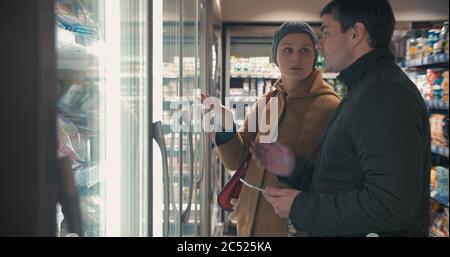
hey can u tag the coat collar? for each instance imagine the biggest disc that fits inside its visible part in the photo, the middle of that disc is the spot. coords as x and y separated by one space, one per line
313 85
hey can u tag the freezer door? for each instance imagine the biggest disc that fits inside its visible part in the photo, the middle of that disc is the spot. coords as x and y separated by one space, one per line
177 86
103 111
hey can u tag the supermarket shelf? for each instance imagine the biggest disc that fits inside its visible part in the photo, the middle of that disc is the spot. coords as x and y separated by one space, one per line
443 151
439 59
440 198
437 105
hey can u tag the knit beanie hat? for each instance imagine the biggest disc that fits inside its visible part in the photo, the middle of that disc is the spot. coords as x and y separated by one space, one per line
293 27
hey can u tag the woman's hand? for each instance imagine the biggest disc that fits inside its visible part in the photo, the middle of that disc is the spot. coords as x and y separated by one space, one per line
276 157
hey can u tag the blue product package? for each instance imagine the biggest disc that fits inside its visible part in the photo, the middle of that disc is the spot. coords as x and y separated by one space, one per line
76 18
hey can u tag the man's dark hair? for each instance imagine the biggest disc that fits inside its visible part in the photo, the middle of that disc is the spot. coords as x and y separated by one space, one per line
376 15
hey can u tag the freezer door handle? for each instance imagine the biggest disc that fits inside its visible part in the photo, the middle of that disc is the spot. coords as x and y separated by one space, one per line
158 136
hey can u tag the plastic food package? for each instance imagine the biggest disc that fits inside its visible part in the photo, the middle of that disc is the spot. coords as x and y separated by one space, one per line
70 142
439 129
442 181
79 105
445 86
433 179
435 81
75 17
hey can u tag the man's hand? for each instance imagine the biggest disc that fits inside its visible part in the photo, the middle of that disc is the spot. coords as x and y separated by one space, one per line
281 200
275 157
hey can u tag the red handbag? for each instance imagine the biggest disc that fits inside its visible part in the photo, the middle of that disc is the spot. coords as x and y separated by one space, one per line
233 188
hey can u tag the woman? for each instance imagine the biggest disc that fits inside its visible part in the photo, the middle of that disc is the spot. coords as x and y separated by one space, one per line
305 103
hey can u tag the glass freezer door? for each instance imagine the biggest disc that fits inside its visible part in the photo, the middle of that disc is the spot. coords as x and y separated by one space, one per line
177 81
103 111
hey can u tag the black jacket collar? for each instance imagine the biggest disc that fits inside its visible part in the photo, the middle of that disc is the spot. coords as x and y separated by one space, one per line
356 71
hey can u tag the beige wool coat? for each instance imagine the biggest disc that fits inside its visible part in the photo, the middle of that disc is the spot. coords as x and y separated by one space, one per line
302 117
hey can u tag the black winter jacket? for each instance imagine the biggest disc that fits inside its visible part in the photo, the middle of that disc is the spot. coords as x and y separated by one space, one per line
372 173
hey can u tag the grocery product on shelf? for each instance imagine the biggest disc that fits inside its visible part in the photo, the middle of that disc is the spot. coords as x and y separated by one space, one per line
189 67
74 16
170 87
445 86
426 64
77 37
439 221
79 45
432 83
411 44
441 45
439 183
79 103
442 182
250 86
433 179
69 140
435 78
424 43
253 67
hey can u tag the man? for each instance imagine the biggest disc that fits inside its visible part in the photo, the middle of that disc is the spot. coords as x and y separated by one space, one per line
371 175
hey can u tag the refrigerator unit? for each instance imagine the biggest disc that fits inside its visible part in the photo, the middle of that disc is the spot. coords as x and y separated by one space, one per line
97 154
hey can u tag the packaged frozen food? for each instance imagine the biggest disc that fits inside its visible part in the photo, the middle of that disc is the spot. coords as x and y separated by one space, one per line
75 17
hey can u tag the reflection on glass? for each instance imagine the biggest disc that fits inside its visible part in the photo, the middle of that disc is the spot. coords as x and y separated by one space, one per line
181 76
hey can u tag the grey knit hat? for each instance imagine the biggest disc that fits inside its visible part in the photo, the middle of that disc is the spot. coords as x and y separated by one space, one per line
293 27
